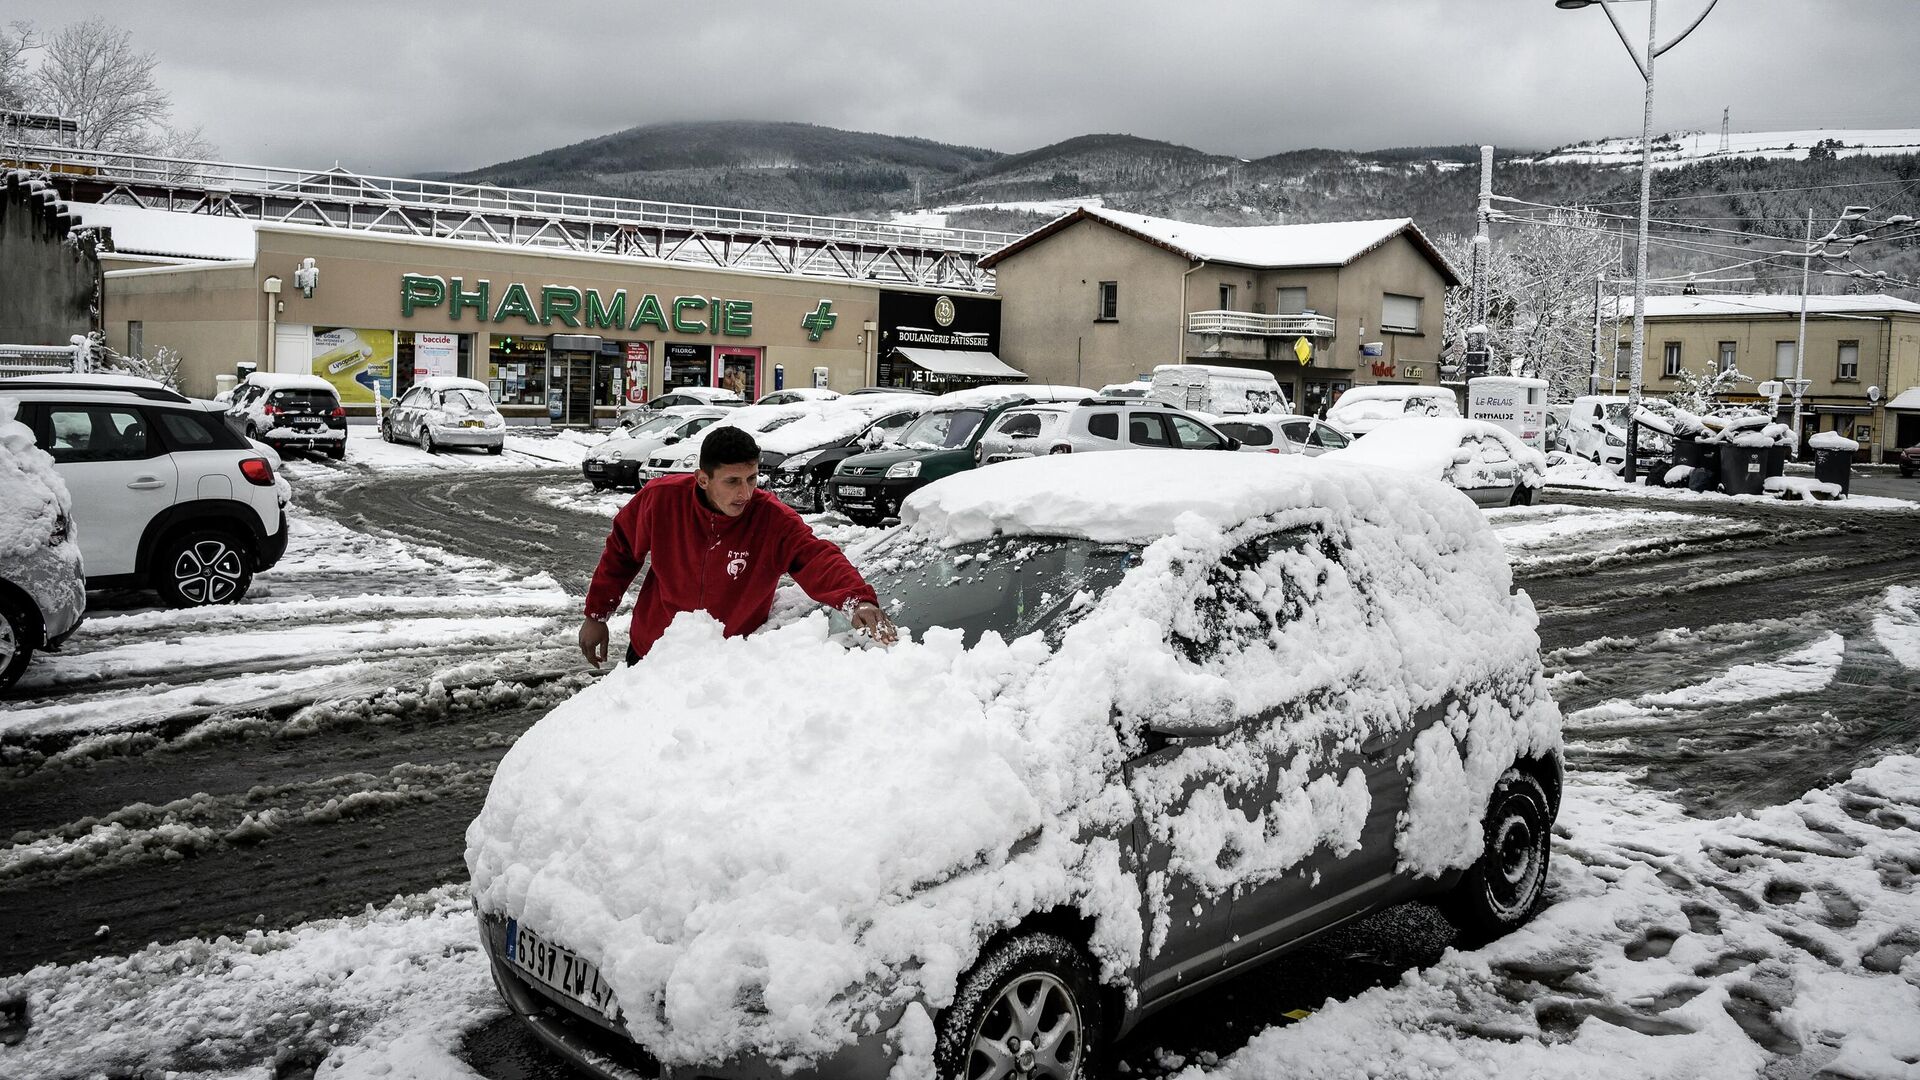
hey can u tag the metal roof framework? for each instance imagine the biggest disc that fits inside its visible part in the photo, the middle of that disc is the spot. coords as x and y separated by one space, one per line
711 237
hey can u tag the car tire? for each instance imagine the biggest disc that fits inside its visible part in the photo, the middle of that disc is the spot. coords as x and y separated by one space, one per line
426 442
16 642
386 431
496 450
869 521
601 485
203 567
1505 886
1522 496
1906 472
337 453
1030 1001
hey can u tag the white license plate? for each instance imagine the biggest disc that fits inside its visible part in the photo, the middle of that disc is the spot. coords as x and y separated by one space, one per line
560 968
471 423
850 491
307 425
594 466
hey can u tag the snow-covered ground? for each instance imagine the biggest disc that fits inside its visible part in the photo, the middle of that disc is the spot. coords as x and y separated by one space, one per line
1688 147
1571 473
533 448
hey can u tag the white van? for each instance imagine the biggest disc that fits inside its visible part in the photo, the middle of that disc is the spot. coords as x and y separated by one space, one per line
1519 405
1597 430
1221 391
1364 408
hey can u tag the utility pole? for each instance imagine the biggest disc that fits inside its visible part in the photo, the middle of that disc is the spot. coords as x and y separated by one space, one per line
1725 143
1799 384
1593 369
1477 361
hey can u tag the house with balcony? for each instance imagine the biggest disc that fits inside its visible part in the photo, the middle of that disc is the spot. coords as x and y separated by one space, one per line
1099 296
1862 363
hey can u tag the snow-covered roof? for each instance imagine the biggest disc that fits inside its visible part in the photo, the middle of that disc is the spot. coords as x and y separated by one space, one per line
986 397
1906 399
287 380
140 231
1739 305
450 382
1272 247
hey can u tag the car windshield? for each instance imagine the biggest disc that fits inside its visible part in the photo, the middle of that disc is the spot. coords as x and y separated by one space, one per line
1012 585
1616 414
1368 409
655 425
942 430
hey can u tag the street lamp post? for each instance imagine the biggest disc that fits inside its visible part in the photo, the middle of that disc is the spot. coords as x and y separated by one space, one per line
1637 384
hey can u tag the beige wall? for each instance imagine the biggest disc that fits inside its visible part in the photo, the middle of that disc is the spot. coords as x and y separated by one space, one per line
211 315
1049 295
1049 292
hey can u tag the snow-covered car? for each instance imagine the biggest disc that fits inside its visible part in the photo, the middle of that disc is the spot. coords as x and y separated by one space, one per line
890 390
1095 425
719 397
1362 409
684 456
43 588
1909 460
617 460
870 487
1486 461
1596 429
1273 433
290 412
443 411
797 395
166 494
798 461
1141 735
1217 390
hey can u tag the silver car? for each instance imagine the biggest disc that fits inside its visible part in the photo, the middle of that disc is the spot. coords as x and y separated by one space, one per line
1275 433
43 588
443 411
1102 424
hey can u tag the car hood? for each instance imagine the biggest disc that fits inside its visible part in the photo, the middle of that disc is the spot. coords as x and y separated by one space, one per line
749 858
880 459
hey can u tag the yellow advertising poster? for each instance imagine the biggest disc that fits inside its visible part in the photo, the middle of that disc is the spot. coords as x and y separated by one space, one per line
355 362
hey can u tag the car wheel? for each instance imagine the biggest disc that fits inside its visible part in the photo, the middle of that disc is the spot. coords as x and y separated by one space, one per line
386 430
1504 887
426 442
16 647
601 485
337 452
1028 1008
201 568
1522 496
495 450
1906 472
867 520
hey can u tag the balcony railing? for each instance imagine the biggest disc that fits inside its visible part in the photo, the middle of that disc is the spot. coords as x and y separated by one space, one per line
1254 324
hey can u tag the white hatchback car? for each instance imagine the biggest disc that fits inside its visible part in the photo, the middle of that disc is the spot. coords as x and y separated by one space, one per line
444 411
166 494
1276 433
43 589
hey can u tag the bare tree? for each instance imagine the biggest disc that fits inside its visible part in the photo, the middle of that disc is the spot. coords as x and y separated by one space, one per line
93 75
16 40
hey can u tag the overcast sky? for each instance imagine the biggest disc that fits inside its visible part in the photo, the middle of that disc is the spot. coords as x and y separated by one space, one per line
393 87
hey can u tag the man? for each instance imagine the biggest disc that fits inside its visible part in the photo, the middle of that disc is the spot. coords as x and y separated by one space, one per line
719 544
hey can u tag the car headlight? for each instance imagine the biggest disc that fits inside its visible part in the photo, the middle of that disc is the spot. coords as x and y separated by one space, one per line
1615 440
62 528
799 461
903 470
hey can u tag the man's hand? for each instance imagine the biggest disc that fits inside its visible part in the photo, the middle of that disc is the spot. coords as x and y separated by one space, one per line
593 641
870 620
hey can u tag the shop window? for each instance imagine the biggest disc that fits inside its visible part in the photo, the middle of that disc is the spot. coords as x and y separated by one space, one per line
1226 297
1400 314
1848 367
1670 360
1729 356
519 365
1109 306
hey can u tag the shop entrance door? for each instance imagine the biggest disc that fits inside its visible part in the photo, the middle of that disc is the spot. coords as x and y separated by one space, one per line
738 370
573 383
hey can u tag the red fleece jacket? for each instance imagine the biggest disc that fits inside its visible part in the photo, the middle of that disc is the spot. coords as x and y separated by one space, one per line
706 561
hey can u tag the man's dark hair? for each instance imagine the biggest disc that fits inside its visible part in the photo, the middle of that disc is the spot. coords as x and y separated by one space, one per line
727 446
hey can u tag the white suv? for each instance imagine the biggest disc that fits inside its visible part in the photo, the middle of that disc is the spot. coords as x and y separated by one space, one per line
166 495
1097 424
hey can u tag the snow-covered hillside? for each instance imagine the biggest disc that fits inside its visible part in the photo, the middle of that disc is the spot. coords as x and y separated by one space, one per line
1687 147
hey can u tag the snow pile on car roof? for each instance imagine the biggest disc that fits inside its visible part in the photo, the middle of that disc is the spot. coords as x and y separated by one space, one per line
776 844
287 380
32 495
1443 449
987 397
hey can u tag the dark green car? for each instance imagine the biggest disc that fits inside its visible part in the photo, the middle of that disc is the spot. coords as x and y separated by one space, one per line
868 488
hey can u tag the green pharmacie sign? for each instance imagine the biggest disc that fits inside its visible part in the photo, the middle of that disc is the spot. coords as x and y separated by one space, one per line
573 307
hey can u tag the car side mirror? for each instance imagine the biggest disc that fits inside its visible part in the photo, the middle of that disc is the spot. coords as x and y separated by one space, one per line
669 440
1232 443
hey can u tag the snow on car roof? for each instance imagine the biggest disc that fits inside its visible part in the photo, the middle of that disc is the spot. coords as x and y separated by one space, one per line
1430 446
1392 393
103 380
450 382
1136 496
287 380
706 393
32 495
987 397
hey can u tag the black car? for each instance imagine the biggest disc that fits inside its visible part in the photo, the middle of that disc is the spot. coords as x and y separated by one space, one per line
800 480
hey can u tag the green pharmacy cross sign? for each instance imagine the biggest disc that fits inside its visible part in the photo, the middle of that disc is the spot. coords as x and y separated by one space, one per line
819 320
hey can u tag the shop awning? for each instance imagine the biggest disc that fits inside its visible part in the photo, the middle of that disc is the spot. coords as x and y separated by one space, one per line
1905 399
964 363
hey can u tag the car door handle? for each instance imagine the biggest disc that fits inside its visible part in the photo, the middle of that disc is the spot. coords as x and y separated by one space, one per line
1375 748
146 483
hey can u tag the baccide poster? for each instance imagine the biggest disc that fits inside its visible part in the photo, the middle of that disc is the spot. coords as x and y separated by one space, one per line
435 354
355 362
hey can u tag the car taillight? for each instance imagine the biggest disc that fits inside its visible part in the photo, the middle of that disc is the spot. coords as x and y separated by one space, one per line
61 529
257 471
1275 450
339 412
1063 448
270 410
